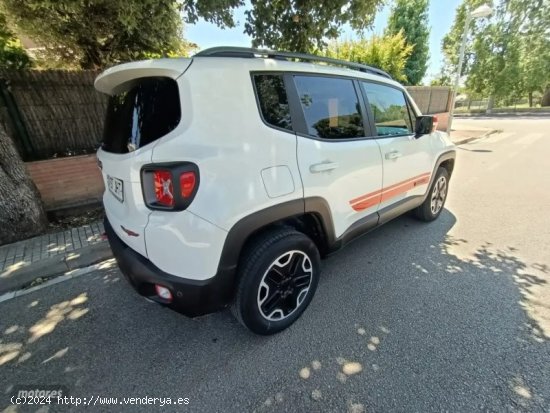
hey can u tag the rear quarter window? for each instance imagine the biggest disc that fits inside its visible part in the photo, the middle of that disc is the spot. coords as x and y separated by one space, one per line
272 99
142 111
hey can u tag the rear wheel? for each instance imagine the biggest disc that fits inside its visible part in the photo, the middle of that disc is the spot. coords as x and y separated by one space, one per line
435 201
278 277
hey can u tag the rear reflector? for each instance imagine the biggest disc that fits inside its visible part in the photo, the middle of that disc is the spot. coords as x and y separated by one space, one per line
163 292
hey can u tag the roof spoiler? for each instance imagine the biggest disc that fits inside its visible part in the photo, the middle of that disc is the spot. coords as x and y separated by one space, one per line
108 81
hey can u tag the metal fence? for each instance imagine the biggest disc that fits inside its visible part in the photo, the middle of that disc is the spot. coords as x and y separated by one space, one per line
51 113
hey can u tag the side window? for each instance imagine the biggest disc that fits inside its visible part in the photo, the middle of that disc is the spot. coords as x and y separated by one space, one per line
412 116
271 93
331 107
390 110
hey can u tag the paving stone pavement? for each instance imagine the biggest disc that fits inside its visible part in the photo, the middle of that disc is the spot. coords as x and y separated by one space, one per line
48 245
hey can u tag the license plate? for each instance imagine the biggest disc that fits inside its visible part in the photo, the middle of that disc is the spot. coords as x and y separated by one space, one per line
116 187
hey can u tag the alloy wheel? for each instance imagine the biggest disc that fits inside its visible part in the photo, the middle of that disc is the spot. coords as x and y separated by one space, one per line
284 285
438 195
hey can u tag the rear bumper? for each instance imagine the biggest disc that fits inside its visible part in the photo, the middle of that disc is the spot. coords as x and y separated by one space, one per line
190 297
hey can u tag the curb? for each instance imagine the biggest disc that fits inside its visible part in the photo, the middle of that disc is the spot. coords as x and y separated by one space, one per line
474 138
40 271
58 279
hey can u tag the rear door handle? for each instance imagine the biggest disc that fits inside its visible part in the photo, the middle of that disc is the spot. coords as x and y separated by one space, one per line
393 155
323 167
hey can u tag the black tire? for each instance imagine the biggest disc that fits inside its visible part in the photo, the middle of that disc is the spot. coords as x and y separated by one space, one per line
424 212
259 257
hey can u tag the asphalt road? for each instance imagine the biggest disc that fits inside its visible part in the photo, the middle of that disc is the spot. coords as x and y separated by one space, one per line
448 316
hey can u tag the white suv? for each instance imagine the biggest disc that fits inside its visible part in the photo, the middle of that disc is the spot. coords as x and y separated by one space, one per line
229 174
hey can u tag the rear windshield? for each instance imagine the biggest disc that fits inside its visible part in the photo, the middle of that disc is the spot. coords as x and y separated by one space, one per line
142 111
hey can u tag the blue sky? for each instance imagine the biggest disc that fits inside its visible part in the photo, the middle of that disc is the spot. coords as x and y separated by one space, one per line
441 16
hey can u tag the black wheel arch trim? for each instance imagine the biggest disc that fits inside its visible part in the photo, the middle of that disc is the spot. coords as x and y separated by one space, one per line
247 226
445 156
240 232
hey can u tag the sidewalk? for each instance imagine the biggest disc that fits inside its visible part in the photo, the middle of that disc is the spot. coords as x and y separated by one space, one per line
33 260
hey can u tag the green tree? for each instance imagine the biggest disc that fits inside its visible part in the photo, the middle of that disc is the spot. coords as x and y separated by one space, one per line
451 41
12 55
508 55
389 53
495 70
443 79
95 33
535 50
411 16
304 25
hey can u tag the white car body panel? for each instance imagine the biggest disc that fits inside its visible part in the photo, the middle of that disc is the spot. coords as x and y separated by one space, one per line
245 165
222 139
357 172
131 213
184 244
407 163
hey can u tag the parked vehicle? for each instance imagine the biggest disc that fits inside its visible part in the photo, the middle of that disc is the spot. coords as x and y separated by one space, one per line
231 173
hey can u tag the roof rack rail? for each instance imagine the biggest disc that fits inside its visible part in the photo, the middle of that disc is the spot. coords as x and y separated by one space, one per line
226 51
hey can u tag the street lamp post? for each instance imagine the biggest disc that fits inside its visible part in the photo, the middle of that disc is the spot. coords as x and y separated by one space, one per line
481 11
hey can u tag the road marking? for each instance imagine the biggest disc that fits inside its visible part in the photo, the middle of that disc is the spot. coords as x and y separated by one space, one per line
529 139
496 137
517 146
69 275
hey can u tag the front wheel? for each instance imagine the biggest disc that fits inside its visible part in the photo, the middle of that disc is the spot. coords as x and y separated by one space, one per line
278 276
433 204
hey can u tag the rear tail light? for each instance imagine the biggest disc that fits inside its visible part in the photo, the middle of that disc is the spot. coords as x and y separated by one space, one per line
170 187
187 184
164 189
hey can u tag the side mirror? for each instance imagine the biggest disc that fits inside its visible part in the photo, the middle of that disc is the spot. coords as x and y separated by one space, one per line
425 125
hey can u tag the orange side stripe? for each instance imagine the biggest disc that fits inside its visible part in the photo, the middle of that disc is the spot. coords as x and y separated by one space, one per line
373 198
363 197
397 191
366 204
366 196
407 180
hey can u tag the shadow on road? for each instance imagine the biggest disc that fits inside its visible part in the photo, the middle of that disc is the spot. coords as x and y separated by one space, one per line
402 317
474 150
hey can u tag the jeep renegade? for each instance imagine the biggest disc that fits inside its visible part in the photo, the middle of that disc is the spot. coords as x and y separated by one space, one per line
229 174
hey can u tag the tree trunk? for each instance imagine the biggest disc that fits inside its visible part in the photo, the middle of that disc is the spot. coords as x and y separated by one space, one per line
530 99
546 98
21 210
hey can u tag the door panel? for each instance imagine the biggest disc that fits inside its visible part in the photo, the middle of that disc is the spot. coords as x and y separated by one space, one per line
337 162
352 188
408 173
407 161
